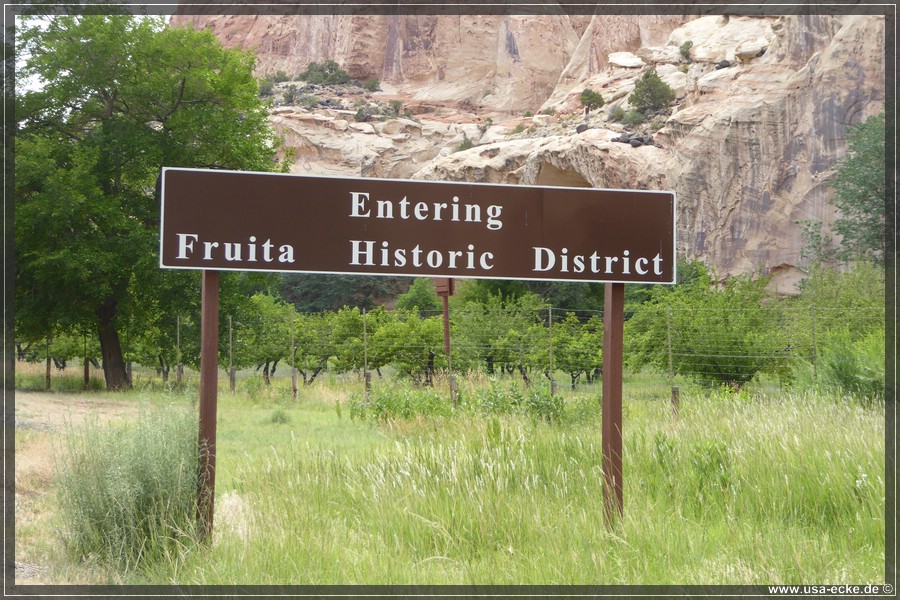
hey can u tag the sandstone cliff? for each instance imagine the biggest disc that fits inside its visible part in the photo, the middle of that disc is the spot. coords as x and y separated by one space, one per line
749 147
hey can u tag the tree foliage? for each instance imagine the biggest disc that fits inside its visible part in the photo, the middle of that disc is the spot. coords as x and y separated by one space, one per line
421 296
591 100
717 335
860 193
118 97
651 93
328 72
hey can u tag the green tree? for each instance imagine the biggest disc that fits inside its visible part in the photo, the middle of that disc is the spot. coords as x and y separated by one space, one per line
651 93
117 98
421 296
718 335
577 346
860 192
590 100
313 340
414 345
264 333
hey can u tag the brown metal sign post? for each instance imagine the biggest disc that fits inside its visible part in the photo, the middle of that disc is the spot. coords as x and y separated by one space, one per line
217 220
611 412
209 368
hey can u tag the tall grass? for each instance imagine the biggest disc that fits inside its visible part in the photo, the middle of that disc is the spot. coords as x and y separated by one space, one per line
396 401
127 494
735 490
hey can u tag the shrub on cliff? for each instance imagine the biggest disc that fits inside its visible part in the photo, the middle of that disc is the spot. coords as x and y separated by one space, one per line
651 93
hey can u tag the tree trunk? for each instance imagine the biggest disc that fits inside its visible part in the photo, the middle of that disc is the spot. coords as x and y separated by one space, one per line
524 372
163 369
429 370
489 362
318 369
110 348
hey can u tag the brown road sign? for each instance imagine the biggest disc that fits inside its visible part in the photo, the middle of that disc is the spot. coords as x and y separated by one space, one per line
243 221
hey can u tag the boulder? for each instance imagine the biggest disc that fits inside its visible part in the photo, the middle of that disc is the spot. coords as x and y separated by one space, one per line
626 60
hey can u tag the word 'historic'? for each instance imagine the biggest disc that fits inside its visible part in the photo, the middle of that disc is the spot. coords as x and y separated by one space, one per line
363 253
360 206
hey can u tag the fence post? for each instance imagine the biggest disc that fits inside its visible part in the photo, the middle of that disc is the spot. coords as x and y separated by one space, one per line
47 374
812 311
179 368
366 376
87 366
453 389
293 362
669 336
675 400
552 378
231 369
128 379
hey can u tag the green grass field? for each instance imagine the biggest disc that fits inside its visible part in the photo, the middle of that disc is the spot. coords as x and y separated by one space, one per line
759 486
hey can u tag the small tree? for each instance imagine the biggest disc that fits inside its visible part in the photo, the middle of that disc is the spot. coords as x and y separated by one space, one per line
421 296
590 100
651 93
860 192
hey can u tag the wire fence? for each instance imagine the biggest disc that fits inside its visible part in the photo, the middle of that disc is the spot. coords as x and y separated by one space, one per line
728 345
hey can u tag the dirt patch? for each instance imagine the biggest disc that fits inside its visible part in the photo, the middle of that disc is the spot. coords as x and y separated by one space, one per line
51 412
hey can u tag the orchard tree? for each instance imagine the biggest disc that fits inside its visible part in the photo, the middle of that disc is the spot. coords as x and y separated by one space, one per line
860 193
718 335
117 98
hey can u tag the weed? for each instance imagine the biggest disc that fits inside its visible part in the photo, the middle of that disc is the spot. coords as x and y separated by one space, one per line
128 495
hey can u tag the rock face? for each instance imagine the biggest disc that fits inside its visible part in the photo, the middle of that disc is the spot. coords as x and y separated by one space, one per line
762 109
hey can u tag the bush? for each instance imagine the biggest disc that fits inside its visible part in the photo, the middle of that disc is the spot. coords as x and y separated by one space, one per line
291 94
617 113
309 101
266 86
651 93
128 495
328 72
685 50
854 368
279 417
372 85
400 402
465 144
364 114
632 117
